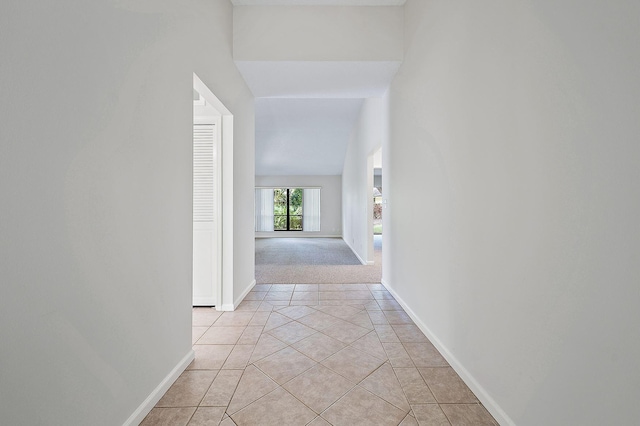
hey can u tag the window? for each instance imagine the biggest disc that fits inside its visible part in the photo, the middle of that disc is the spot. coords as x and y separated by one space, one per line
287 209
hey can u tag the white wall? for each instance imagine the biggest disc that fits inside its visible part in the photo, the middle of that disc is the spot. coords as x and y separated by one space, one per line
330 202
323 33
512 229
357 178
95 224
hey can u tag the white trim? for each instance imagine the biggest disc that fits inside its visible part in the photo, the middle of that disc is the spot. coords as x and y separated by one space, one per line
244 294
369 220
204 301
356 253
226 289
153 398
233 306
294 234
490 404
224 159
287 186
208 96
219 215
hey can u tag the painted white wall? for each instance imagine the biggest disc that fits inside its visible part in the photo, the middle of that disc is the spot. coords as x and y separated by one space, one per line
512 229
357 179
330 202
321 33
95 224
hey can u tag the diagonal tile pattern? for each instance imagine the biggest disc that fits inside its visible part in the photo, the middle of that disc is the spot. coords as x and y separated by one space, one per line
370 344
292 332
319 346
360 407
284 365
319 387
316 354
384 383
278 408
352 364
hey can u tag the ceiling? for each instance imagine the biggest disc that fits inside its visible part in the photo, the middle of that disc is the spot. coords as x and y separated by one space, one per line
303 136
310 79
318 2
305 111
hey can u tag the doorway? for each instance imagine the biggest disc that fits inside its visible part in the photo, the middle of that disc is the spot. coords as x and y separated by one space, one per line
212 200
377 204
206 139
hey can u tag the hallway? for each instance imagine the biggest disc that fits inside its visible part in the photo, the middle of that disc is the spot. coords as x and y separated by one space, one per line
314 261
317 354
509 133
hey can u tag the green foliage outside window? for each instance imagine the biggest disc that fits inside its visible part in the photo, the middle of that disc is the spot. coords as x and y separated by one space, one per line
287 209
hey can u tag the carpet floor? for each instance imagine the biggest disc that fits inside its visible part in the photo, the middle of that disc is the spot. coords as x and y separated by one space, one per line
304 251
313 261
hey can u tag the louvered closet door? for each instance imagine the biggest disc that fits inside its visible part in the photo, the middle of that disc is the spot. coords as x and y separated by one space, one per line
204 273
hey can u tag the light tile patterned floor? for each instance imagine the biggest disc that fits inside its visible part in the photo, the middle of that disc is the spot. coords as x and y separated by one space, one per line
315 354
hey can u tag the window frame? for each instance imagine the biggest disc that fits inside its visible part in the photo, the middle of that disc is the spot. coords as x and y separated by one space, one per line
288 210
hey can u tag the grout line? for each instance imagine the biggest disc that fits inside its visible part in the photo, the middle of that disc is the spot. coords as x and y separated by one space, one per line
394 373
205 392
317 308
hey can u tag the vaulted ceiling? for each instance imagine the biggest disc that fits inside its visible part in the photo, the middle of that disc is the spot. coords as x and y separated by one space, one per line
306 109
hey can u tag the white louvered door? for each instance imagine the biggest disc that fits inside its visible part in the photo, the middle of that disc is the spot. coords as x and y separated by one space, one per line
204 214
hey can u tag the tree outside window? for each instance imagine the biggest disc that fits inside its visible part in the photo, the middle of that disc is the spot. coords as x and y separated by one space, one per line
287 209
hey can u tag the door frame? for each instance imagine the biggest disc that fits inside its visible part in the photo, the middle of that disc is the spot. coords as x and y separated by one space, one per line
224 199
374 159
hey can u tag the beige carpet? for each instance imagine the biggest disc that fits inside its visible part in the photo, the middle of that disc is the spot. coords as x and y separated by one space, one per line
322 274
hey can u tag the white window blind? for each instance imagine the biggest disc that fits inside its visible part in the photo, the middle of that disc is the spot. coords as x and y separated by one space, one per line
311 210
264 210
203 172
264 214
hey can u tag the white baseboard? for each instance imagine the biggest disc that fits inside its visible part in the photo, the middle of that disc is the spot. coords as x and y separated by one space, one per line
294 234
229 307
364 262
150 402
204 301
490 404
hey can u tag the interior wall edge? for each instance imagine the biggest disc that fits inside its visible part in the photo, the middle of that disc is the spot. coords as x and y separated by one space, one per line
364 262
240 298
481 393
147 405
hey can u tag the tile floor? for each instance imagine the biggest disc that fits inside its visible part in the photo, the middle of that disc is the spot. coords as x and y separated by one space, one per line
315 354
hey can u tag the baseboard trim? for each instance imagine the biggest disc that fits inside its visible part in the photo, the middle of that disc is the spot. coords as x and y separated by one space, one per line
204 301
150 402
240 298
364 262
490 404
297 234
